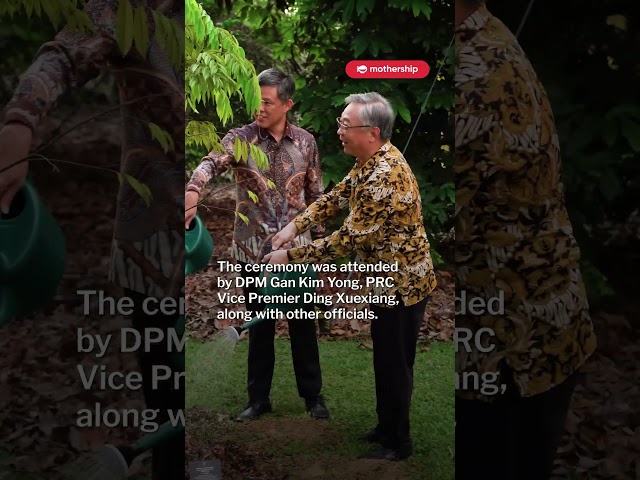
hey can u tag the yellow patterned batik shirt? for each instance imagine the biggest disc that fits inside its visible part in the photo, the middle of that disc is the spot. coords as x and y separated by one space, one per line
384 225
515 248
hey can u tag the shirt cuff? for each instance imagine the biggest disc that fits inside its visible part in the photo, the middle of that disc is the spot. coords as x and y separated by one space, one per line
296 254
17 116
302 223
193 188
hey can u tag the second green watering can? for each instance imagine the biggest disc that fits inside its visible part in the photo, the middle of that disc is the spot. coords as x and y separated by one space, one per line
198 245
32 255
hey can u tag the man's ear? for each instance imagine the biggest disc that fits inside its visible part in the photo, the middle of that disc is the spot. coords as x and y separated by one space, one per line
375 132
289 104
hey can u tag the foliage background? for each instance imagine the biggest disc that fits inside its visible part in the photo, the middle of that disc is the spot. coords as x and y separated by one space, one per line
587 60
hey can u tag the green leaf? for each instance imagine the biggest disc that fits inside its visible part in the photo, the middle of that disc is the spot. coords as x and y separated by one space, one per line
203 134
124 26
271 185
50 8
631 131
255 18
364 6
140 188
360 44
348 11
245 151
416 8
163 137
618 21
28 7
237 149
242 217
253 196
141 30
403 112
451 194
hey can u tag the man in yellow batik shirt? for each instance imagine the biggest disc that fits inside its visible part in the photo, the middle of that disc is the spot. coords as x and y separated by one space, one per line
515 254
384 227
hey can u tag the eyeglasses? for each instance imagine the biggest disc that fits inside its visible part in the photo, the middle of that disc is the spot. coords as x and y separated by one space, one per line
344 126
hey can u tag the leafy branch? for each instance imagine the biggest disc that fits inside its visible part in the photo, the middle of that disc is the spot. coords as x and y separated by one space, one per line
60 12
216 69
132 30
140 188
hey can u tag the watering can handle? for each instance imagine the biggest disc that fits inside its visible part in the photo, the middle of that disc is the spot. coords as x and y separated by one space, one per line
165 432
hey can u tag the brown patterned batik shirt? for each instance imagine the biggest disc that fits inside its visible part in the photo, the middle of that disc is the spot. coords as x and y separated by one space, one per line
514 242
148 244
384 225
294 168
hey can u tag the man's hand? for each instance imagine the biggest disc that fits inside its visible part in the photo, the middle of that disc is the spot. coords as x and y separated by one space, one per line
285 235
190 207
279 256
15 143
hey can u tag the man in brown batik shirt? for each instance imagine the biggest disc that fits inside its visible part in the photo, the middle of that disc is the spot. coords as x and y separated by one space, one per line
294 169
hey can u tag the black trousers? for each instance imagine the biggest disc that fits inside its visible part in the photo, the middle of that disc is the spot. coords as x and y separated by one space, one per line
168 459
304 350
395 334
513 438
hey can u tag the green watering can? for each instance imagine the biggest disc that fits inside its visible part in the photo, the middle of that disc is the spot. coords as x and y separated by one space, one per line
32 255
198 245
288 283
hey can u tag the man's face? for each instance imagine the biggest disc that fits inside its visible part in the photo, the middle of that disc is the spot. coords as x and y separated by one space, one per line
355 141
272 109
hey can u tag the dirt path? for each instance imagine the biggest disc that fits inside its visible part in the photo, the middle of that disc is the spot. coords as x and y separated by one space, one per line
270 450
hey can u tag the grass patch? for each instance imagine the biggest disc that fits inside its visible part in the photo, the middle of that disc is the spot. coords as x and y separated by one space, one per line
348 387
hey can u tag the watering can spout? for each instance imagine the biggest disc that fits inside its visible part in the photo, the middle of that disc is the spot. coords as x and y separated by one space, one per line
233 333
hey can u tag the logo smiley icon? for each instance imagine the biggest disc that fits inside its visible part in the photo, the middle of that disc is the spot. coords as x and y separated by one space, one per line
361 69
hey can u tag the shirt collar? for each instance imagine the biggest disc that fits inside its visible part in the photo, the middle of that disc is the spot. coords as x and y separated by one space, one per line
476 21
288 131
370 164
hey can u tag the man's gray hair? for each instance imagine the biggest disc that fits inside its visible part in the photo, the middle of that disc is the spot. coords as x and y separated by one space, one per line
376 111
273 77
